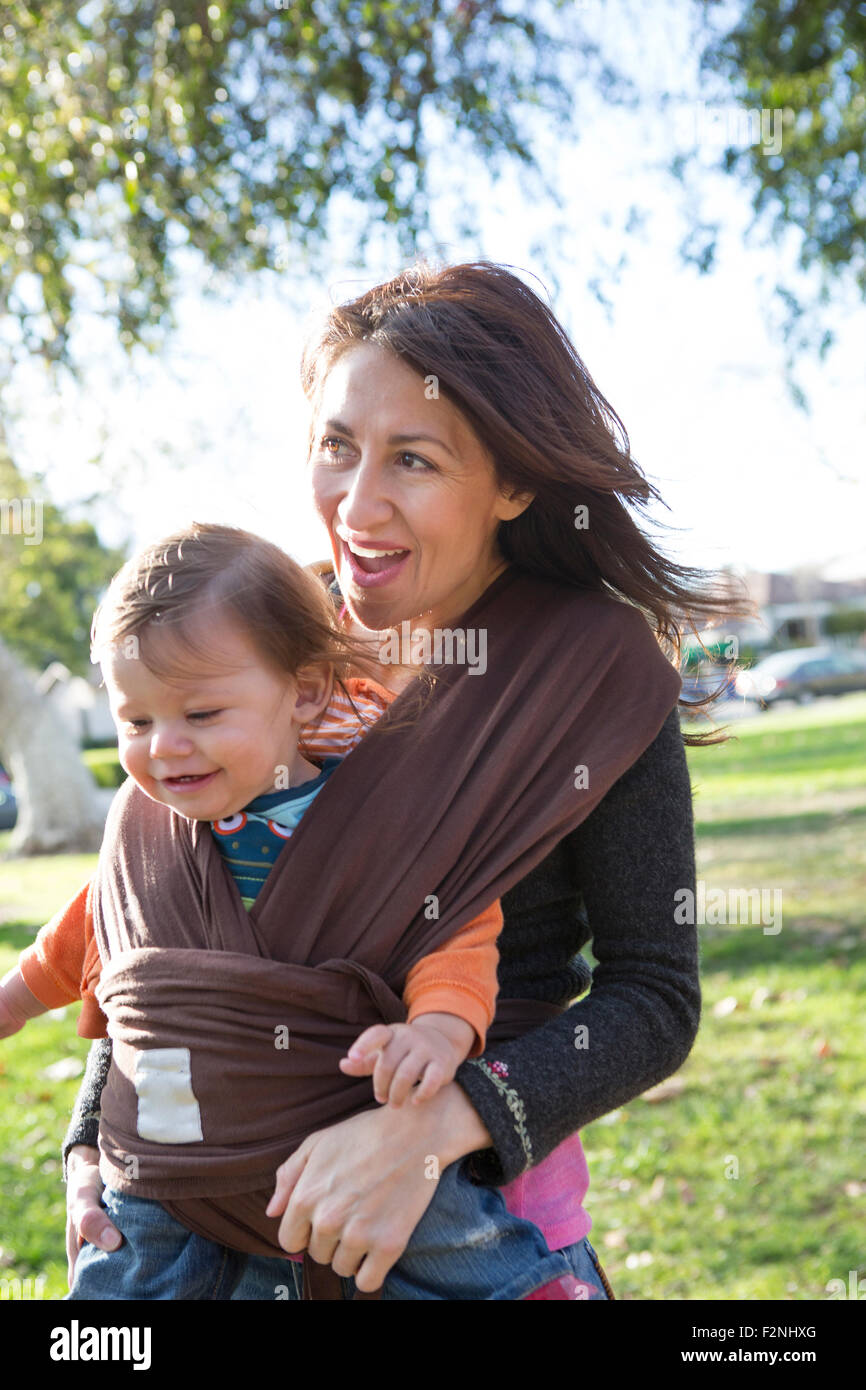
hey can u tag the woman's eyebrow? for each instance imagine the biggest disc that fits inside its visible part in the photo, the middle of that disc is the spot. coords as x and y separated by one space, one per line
340 427
429 438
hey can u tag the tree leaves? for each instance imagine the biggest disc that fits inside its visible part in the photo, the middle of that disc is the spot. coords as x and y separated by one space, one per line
127 129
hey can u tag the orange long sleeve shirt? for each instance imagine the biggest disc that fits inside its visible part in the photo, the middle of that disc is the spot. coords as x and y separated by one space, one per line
63 964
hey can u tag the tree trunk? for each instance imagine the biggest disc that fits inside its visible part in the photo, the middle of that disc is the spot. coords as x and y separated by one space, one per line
59 808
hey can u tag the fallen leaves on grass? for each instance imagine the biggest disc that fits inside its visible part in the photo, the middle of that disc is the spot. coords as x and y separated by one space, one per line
666 1090
64 1070
725 1006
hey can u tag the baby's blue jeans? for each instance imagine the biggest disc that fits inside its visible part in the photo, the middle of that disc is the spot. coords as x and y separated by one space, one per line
467 1245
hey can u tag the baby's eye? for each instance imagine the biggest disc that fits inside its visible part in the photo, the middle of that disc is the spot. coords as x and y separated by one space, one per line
203 714
137 723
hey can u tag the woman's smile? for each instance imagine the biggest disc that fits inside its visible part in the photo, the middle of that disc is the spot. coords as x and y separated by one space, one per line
371 564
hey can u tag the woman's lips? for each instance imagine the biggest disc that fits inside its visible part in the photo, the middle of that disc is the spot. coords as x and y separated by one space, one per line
188 783
383 569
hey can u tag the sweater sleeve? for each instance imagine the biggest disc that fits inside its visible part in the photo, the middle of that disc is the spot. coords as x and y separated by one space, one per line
84 1125
639 1021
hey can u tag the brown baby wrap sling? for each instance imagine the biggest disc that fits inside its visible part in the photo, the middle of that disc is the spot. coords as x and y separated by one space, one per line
228 1024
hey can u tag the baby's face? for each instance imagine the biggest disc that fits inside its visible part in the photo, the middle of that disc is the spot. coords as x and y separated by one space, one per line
208 742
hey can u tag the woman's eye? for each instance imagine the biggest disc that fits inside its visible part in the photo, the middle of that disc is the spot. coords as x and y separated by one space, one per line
416 458
331 447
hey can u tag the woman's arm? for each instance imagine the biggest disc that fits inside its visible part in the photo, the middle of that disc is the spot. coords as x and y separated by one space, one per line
84 1124
85 1217
641 1017
354 1193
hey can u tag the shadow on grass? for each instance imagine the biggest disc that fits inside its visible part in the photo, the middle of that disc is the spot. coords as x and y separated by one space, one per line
810 822
741 950
18 935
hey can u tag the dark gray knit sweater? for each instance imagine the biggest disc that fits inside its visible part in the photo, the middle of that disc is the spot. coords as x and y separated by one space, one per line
612 882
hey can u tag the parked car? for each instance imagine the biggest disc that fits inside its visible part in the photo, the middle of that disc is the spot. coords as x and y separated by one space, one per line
802 674
8 804
706 682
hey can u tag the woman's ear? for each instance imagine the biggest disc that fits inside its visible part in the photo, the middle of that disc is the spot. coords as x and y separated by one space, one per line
313 686
512 503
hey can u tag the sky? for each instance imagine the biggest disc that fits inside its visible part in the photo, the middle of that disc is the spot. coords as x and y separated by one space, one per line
214 430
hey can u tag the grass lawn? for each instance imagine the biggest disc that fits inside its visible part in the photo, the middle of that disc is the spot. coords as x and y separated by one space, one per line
743 1177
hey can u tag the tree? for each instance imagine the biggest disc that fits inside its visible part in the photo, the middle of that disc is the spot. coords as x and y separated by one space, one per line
238 128
806 58
52 571
799 67
57 798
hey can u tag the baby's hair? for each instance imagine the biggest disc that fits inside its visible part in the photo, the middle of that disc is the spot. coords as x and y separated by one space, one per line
172 588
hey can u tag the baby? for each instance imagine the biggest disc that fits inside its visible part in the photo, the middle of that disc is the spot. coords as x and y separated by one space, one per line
219 654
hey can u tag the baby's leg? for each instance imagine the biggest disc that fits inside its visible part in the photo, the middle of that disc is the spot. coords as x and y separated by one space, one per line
469 1246
158 1259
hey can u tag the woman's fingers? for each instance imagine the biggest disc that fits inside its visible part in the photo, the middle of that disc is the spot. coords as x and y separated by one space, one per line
373 1270
86 1219
286 1178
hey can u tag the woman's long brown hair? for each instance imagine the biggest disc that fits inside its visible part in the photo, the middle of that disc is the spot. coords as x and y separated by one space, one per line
498 353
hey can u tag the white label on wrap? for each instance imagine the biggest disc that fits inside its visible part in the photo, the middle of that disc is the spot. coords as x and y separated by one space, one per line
168 1111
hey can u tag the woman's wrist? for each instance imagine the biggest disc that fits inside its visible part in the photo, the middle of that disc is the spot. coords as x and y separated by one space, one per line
81 1154
465 1130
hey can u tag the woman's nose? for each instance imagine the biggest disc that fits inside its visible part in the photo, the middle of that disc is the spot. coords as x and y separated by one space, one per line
366 503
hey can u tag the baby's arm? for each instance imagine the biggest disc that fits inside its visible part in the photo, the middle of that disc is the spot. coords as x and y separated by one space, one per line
18 1004
450 995
51 972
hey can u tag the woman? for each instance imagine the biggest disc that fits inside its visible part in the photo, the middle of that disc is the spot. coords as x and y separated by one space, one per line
455 433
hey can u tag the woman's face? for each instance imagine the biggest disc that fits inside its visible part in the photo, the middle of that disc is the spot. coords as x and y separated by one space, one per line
396 469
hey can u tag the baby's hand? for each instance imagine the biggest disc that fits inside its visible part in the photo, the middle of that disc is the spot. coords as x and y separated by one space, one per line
423 1054
9 1022
17 1004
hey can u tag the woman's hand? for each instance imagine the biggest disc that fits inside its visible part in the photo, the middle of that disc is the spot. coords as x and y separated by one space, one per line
353 1194
85 1218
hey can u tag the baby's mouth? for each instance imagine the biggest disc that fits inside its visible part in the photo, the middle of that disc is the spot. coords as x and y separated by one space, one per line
187 781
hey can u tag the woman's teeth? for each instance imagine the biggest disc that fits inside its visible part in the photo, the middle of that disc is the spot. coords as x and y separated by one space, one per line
372 554
371 560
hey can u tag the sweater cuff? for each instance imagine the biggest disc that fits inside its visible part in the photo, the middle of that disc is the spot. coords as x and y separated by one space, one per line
501 1108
